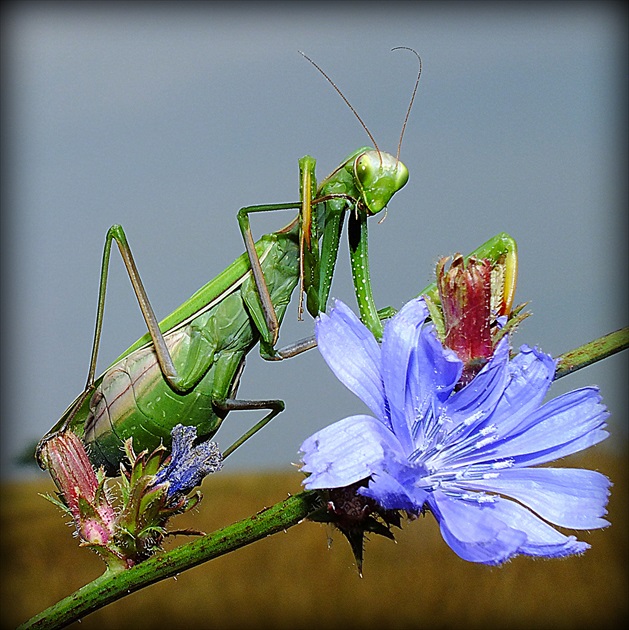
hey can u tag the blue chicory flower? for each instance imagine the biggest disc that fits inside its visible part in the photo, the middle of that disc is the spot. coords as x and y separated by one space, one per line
466 454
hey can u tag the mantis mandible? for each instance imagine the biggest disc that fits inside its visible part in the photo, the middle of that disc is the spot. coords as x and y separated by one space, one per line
187 368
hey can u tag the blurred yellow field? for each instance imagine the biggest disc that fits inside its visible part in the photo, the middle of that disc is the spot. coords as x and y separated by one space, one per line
293 580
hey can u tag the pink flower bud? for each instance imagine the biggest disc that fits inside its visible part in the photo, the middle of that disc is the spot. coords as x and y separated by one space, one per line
465 292
67 461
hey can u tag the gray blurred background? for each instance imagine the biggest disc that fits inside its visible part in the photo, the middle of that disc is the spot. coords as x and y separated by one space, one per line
168 118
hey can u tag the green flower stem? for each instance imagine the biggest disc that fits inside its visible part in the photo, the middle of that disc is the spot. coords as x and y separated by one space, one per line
113 585
592 352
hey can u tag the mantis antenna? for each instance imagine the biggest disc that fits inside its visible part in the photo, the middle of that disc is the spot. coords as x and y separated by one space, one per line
360 120
410 105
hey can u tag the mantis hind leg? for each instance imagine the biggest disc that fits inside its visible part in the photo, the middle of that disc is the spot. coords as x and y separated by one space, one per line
180 384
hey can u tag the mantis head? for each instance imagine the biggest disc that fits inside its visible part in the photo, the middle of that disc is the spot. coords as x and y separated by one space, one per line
378 176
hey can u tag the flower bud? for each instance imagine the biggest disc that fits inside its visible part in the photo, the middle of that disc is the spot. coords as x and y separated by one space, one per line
82 490
465 292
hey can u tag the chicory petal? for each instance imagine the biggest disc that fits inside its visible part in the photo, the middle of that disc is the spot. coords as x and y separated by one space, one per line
346 452
352 353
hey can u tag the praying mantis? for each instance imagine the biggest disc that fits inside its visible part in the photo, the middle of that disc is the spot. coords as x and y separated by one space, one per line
188 367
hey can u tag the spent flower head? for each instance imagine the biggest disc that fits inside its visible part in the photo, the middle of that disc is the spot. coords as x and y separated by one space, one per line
189 463
467 454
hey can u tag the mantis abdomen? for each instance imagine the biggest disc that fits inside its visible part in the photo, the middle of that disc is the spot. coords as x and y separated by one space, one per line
133 399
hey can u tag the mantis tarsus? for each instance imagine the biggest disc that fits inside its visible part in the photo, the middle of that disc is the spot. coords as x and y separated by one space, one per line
187 368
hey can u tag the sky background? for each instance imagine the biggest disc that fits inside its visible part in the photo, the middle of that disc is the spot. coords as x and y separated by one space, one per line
169 118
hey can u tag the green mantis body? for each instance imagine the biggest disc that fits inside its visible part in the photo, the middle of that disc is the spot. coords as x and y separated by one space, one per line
187 368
